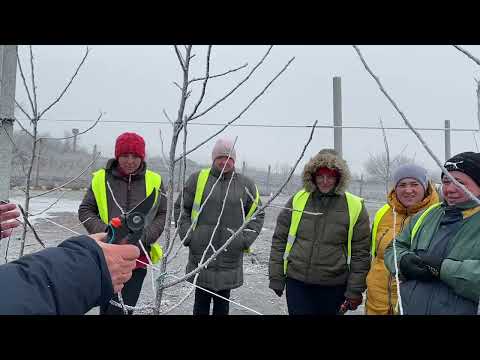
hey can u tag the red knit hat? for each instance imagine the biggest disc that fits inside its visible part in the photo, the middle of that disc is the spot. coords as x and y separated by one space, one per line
130 143
326 171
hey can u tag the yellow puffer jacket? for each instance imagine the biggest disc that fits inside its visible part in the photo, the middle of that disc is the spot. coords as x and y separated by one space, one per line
381 285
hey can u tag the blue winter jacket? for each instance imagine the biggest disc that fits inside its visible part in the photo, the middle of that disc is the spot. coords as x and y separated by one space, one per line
69 279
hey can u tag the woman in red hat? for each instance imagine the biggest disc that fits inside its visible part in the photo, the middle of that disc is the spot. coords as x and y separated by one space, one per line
130 181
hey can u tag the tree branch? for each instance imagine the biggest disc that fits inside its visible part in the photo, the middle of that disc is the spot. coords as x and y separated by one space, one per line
417 134
69 181
34 86
245 223
236 87
219 75
242 112
467 53
180 58
26 87
80 133
68 85
204 86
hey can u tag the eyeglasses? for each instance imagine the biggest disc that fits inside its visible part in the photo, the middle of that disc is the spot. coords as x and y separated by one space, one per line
451 166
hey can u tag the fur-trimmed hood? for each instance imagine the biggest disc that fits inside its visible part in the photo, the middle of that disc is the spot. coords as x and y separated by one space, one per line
326 158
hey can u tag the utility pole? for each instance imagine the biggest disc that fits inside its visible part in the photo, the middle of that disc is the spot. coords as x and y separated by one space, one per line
337 114
8 76
243 168
75 133
448 152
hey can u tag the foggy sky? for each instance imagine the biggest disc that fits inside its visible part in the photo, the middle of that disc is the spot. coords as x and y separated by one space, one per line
135 83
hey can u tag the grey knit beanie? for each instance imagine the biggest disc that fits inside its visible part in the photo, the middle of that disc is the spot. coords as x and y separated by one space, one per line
411 171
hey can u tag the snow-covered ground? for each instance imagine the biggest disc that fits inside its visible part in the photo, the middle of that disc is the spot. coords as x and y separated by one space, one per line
254 294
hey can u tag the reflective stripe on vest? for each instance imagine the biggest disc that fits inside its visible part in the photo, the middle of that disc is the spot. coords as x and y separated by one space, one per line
99 188
378 217
201 183
419 222
354 204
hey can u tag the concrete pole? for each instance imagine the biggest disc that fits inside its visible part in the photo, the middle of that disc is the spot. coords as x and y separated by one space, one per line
8 76
337 114
448 152
75 133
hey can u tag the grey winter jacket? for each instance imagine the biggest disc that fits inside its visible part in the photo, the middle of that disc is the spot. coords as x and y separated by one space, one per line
226 271
129 191
319 254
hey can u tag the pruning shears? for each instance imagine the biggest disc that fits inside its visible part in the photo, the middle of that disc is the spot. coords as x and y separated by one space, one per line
131 225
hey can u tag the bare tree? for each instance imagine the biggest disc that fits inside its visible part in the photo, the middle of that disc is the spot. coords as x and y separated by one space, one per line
188 111
34 115
379 167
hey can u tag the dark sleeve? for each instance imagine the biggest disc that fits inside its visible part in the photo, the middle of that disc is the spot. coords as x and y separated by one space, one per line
360 262
184 222
279 242
88 213
254 227
69 279
155 229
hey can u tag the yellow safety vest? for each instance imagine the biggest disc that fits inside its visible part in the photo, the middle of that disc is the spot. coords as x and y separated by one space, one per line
354 204
376 220
383 210
99 188
201 183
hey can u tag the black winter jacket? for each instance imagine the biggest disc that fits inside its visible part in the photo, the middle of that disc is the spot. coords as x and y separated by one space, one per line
69 279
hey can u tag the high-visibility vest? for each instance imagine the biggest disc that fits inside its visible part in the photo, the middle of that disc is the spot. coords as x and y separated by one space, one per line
354 204
419 221
376 220
201 183
99 188
383 210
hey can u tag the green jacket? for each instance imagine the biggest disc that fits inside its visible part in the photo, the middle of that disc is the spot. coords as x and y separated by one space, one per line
319 254
461 268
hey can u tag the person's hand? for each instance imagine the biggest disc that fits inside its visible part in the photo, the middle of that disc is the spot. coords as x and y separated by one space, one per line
278 292
414 268
433 264
9 215
120 259
350 304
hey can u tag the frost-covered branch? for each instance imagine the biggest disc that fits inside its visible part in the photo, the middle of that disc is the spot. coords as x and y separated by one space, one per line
71 180
67 86
245 223
219 75
417 134
242 112
459 48
236 87
80 133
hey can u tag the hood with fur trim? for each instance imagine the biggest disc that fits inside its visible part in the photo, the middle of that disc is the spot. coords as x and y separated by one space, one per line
326 158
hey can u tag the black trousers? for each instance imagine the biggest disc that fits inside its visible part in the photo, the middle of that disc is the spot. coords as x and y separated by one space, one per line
310 299
130 294
203 300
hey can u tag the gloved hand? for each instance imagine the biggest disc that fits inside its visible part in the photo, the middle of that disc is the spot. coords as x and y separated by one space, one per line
414 268
278 292
433 264
350 304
